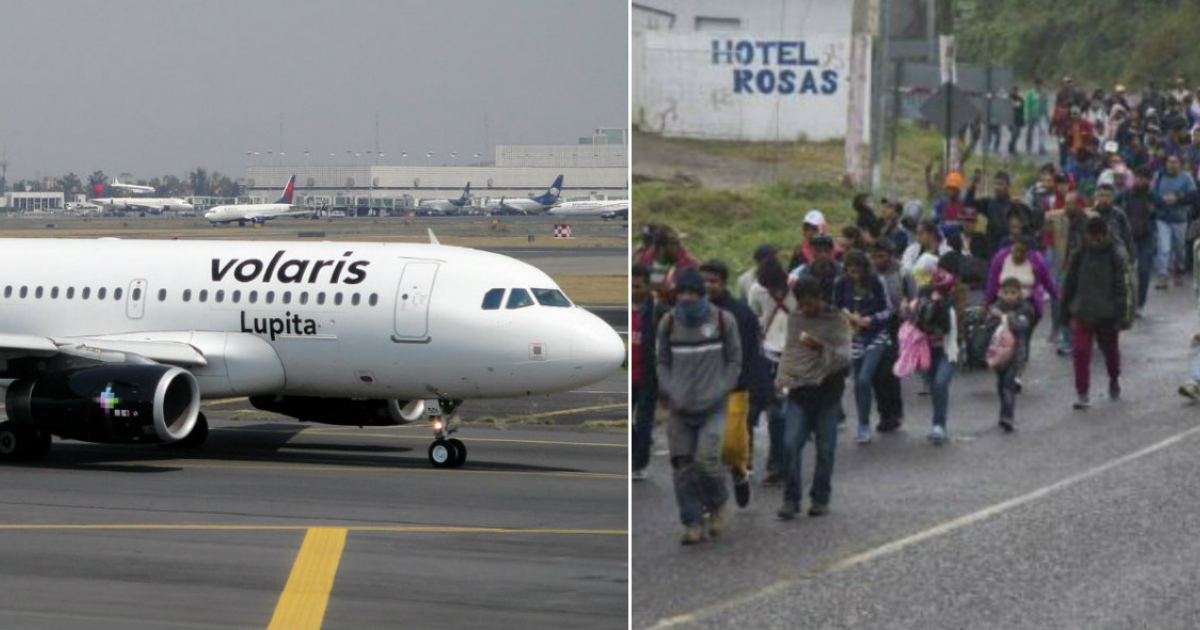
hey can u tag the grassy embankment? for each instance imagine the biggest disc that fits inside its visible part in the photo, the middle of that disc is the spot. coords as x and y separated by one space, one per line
729 223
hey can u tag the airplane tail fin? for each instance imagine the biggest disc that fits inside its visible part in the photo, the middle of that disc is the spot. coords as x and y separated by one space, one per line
287 191
551 195
466 193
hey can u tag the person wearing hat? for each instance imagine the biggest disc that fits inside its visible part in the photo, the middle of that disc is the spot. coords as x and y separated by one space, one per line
949 211
699 359
814 225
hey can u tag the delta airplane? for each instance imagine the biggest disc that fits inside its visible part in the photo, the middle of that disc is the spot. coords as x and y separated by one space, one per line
589 208
133 188
153 205
533 204
258 212
117 341
449 206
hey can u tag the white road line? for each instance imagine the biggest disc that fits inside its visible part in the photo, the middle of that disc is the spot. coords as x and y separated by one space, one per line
941 529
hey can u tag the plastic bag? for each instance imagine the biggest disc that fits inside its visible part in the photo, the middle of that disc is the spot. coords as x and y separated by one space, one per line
1000 350
735 439
914 354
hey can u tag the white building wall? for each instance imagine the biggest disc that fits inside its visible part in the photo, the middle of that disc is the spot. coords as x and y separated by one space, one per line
562 155
760 70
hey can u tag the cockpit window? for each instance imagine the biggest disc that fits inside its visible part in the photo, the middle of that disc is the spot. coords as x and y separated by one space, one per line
519 298
551 297
493 299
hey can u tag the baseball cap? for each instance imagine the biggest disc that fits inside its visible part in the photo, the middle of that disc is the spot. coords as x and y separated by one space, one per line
690 280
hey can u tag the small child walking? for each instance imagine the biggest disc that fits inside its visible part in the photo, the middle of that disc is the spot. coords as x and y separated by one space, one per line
1014 311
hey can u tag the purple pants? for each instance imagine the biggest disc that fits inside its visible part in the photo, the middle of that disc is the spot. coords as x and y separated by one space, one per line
1106 335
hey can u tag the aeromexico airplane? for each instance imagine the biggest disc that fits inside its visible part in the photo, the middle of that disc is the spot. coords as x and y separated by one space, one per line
245 213
118 341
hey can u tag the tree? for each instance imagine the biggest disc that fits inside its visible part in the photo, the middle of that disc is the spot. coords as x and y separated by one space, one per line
98 178
199 182
70 184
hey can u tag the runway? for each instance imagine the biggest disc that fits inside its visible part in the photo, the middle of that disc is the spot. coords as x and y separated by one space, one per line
284 525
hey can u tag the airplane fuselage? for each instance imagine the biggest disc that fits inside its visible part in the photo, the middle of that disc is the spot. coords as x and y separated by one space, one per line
370 320
588 208
248 212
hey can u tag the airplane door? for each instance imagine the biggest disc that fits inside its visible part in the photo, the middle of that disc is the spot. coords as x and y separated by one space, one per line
135 305
412 302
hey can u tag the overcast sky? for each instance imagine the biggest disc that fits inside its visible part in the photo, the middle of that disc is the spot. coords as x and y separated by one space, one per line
164 86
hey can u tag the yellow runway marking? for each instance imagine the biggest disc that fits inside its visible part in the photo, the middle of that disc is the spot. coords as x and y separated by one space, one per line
222 401
394 529
568 411
302 605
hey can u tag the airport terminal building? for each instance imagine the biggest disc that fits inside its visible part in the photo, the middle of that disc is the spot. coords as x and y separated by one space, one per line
597 169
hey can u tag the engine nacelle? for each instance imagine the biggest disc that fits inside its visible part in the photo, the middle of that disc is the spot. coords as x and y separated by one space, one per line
358 412
110 404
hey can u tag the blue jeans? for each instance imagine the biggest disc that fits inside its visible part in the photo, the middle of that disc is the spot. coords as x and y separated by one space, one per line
1195 364
864 380
695 445
803 420
1170 247
941 371
1059 332
775 426
643 424
1006 386
1145 259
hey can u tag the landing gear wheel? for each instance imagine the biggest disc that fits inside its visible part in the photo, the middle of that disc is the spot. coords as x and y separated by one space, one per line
442 454
196 438
20 443
460 452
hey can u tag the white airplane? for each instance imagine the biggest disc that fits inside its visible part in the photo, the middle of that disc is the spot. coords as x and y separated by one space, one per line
532 204
153 205
245 213
589 208
117 341
448 206
133 188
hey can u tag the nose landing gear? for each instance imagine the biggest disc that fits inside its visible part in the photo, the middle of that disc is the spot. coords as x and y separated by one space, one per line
445 452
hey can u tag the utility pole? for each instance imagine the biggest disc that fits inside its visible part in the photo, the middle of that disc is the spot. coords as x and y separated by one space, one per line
947 52
879 93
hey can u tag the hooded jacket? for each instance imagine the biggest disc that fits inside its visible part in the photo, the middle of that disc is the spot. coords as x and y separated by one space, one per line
1095 290
698 366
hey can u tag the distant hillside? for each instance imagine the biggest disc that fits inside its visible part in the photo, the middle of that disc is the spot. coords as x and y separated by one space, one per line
1099 42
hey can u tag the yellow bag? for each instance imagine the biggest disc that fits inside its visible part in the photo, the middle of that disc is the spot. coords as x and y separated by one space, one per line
735 440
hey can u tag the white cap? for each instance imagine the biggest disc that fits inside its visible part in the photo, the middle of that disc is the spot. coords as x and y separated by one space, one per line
1111 146
815 217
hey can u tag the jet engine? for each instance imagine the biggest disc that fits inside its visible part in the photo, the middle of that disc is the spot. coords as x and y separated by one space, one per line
110 404
357 412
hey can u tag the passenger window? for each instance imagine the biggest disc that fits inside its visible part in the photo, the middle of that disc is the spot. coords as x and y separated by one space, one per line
101 292
254 297
137 294
53 293
117 293
70 293
38 293
337 299
187 295
354 299
287 297
374 299
8 291
551 297
203 295
162 295
304 297
493 299
321 298
237 297
519 298
87 293
24 292
220 295
269 298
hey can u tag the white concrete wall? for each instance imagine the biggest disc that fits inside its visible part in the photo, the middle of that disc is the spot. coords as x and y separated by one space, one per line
783 76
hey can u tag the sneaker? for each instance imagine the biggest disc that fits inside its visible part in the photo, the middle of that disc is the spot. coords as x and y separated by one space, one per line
1007 424
691 535
1082 403
937 435
818 509
864 435
741 488
718 521
1190 391
1063 351
639 474
773 478
1017 385
1161 284
889 425
788 511
1114 388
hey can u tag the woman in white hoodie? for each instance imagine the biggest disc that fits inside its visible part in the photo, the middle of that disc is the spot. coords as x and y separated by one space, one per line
772 301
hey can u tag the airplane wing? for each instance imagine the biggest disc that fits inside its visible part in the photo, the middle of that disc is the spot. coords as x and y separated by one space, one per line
102 349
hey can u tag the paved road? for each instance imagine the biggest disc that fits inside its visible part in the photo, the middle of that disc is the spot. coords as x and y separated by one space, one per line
1079 520
271 522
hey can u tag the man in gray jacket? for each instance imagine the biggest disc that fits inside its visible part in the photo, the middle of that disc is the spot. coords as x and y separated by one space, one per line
699 359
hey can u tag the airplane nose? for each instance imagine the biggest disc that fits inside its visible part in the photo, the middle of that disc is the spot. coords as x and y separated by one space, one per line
596 347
